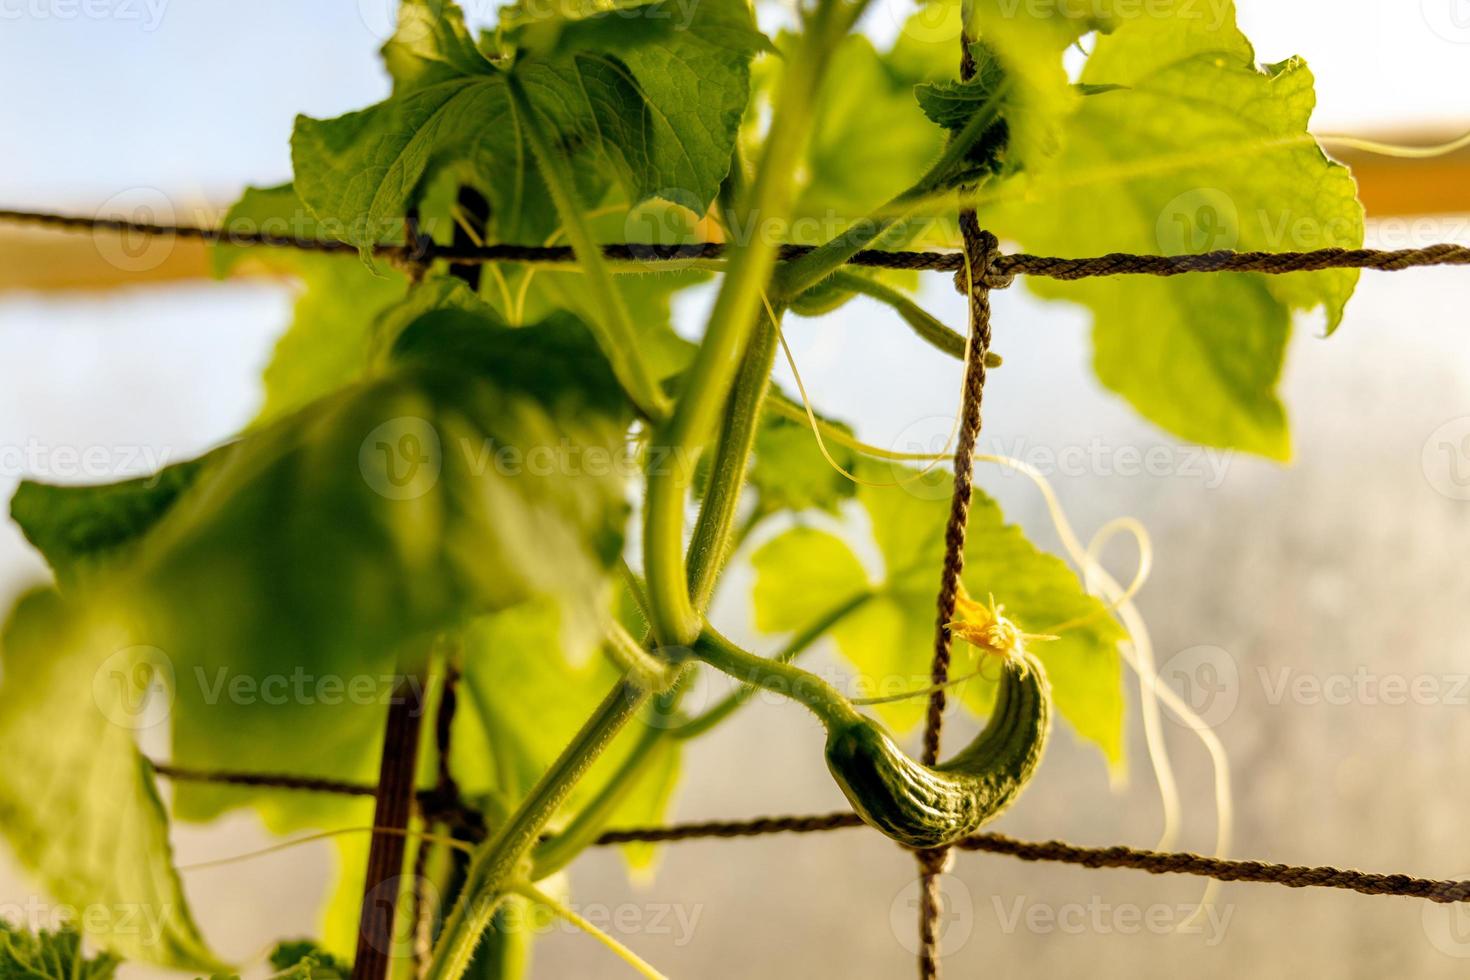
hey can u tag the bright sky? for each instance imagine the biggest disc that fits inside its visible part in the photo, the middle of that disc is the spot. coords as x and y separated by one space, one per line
196 97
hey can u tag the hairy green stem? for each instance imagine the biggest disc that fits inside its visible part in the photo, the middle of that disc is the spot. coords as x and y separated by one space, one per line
684 435
620 340
924 324
824 700
499 860
711 542
798 645
555 853
808 270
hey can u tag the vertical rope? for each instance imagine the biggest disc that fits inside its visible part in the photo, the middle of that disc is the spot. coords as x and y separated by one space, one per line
446 801
981 249
385 858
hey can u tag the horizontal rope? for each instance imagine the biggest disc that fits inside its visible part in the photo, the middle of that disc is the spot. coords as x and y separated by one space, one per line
1154 862
1003 269
435 804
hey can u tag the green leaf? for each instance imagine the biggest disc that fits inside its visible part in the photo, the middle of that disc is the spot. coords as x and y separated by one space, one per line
305 960
46 955
953 104
622 111
480 469
800 575
869 142
84 531
530 698
1025 45
1202 150
528 293
790 472
804 573
77 801
328 343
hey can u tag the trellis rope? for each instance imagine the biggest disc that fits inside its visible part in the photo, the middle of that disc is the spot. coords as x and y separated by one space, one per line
1154 862
972 279
1002 270
980 268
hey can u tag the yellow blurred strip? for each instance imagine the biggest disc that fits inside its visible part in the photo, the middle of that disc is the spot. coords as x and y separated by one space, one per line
32 259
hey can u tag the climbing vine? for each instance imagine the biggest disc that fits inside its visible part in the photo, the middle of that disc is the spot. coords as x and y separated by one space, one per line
437 494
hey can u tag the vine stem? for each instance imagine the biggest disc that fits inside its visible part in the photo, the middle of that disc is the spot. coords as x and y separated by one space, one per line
676 620
500 860
806 271
793 649
824 700
619 338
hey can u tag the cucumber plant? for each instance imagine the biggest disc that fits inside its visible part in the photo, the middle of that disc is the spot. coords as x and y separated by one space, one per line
441 478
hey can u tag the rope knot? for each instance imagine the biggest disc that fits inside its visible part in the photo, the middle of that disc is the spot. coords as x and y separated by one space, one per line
982 250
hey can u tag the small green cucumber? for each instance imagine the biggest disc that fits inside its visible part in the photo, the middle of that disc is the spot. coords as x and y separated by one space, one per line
922 806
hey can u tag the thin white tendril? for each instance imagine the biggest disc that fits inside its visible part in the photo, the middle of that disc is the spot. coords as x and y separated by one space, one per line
934 462
325 835
529 891
1402 150
1137 651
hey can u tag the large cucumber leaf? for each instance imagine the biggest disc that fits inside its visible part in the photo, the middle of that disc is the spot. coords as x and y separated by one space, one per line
77 800
477 470
1187 146
327 344
655 113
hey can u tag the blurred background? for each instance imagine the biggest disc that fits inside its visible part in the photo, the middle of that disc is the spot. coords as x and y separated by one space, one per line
1293 606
